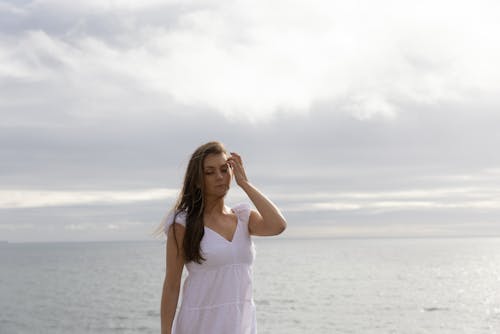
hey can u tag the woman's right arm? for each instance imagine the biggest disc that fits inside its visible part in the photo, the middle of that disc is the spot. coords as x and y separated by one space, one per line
172 282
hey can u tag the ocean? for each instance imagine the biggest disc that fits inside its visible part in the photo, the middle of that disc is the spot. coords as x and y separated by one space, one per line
372 285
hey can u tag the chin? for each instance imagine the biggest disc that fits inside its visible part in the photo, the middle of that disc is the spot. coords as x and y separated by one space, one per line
220 192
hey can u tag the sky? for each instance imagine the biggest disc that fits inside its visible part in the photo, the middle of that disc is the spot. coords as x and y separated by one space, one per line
357 118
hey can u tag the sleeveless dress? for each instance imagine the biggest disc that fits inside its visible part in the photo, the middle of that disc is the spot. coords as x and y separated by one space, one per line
217 295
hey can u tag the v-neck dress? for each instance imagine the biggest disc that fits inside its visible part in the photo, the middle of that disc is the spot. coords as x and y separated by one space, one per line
217 296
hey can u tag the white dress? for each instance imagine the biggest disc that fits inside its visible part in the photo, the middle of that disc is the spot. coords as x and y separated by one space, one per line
217 295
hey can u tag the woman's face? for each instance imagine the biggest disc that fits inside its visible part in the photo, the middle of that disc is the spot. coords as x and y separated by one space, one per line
216 175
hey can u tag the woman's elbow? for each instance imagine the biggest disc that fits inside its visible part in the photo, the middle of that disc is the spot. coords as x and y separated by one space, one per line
281 226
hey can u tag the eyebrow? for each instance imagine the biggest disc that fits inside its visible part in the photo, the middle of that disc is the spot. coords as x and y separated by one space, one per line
212 167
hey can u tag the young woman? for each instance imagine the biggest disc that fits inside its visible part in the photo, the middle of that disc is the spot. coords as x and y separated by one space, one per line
213 242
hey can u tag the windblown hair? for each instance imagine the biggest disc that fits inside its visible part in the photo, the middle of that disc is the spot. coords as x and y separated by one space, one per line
191 201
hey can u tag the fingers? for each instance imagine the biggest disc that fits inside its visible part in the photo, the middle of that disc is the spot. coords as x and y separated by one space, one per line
236 164
235 156
235 161
232 163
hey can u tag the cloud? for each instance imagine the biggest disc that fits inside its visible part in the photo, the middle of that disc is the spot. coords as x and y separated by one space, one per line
413 212
345 113
376 201
439 146
254 59
10 199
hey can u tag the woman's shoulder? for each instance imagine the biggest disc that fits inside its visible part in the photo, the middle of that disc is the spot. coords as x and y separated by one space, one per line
178 217
242 210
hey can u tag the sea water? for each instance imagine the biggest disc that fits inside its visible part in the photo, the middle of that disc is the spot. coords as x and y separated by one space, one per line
448 285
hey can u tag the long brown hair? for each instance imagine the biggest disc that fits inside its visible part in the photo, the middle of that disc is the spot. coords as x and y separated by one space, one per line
192 202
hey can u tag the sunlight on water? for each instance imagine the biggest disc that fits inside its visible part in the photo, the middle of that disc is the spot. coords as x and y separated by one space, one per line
379 286
301 286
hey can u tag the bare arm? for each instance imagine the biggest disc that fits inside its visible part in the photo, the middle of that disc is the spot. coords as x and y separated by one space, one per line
267 220
172 282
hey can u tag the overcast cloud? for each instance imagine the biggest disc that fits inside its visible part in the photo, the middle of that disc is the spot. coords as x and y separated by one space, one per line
374 118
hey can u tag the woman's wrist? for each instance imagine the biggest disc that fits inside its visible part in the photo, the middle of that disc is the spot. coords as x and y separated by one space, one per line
244 184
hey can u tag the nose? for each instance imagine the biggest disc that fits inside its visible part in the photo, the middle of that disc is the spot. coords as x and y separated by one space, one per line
219 175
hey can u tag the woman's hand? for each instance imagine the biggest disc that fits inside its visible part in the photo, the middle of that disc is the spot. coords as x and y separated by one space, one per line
267 220
236 165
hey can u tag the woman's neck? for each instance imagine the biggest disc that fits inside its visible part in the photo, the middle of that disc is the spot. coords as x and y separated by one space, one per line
214 206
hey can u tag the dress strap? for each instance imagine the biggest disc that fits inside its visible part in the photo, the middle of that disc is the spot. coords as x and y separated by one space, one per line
242 210
180 218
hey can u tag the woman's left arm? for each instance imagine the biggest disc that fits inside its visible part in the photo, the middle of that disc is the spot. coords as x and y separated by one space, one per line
267 220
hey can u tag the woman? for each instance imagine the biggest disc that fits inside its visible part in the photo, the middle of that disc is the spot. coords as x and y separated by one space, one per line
213 242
